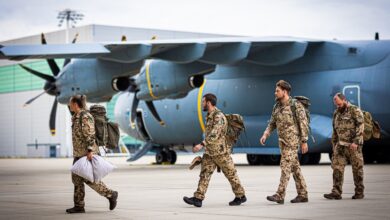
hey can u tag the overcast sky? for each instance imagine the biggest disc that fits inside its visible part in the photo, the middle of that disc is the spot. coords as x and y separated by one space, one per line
321 19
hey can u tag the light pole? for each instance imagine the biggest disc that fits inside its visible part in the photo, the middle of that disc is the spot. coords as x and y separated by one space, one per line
71 17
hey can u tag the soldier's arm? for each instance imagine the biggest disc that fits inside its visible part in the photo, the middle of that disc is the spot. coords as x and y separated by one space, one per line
303 122
218 130
88 131
271 124
359 129
334 134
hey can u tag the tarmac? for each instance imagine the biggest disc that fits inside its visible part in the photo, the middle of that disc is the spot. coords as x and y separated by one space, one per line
42 189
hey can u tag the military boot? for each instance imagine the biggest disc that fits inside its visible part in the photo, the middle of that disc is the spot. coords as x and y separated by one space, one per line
358 196
333 195
113 200
300 199
76 209
238 201
275 198
193 201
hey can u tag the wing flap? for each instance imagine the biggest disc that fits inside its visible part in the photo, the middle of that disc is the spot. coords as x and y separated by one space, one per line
18 52
225 51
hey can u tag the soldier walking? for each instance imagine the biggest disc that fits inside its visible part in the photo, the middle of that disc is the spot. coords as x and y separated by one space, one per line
83 138
347 141
216 154
293 131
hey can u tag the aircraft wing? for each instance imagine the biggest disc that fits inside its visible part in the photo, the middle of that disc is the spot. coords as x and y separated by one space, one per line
264 51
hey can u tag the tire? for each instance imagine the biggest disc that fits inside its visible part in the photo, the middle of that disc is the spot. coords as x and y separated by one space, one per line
161 157
304 159
271 159
171 157
314 158
254 159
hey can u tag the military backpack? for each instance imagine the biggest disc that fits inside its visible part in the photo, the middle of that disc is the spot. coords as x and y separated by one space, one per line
234 129
306 104
106 132
371 127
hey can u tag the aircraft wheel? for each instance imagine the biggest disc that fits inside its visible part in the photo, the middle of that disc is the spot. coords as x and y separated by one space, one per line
271 159
368 155
303 159
254 159
161 157
171 156
314 158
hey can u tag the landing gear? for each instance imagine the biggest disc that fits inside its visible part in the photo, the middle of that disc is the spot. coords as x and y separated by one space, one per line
161 156
310 159
304 159
171 157
271 159
166 156
254 159
257 159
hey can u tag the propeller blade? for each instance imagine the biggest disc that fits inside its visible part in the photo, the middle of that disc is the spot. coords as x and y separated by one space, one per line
152 109
31 100
134 111
36 73
52 64
52 121
67 60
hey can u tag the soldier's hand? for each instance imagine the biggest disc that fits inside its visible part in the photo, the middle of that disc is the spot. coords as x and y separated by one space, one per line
353 146
262 139
197 148
304 148
89 156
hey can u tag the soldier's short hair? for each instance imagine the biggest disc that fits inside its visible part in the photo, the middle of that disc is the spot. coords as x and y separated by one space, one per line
80 100
209 97
284 85
341 96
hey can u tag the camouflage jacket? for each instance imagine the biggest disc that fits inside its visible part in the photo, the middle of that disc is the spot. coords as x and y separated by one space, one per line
215 135
83 135
348 126
292 130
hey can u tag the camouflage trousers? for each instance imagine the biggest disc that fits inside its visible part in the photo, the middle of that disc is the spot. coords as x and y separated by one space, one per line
289 163
79 190
209 164
341 155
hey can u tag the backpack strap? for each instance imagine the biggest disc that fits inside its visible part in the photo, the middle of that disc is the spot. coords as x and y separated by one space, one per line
82 113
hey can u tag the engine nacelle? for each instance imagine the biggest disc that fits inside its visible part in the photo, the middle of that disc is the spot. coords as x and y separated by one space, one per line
121 83
161 79
94 78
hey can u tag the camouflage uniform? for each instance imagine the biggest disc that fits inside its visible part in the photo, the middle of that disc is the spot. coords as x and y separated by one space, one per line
83 137
348 128
292 130
217 154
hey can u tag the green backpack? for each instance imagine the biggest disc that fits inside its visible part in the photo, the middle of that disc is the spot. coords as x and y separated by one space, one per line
106 132
234 129
371 128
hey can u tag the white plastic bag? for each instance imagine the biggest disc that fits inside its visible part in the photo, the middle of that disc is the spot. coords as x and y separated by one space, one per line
83 168
101 167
